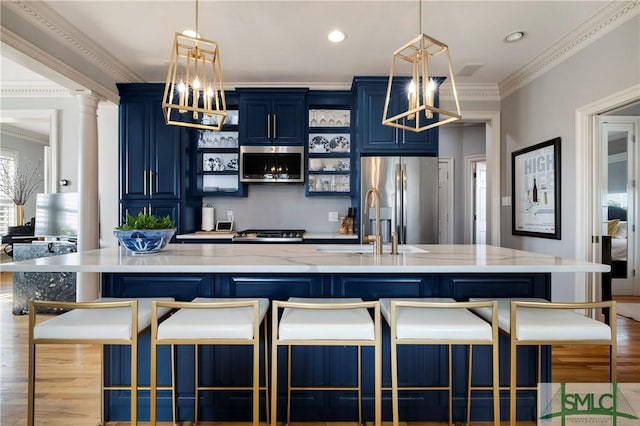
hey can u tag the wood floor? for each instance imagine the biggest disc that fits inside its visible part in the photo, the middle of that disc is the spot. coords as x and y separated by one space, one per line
68 376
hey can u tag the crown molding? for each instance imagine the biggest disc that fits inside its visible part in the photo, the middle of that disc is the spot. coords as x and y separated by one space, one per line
57 28
609 18
471 92
31 89
29 135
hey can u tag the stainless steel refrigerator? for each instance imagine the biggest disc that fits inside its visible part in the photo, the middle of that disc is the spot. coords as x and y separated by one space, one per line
408 189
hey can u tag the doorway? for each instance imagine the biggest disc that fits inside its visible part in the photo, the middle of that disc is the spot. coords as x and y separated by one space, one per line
618 197
445 200
475 199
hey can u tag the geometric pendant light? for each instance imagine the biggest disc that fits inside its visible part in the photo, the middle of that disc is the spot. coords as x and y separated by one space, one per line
194 89
413 81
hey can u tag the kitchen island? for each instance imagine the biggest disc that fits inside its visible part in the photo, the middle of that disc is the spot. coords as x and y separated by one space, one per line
186 271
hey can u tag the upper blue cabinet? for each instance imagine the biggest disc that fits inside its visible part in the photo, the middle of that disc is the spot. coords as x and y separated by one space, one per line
272 116
150 151
376 138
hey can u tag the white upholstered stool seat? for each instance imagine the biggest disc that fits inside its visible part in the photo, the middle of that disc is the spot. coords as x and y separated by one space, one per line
538 322
326 322
440 321
105 321
211 321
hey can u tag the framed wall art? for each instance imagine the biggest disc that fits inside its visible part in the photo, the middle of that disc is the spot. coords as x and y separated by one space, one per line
535 186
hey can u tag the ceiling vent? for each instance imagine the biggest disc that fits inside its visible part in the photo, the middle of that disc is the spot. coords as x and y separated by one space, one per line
468 70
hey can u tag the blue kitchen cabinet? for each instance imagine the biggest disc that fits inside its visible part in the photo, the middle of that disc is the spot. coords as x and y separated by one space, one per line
272 116
377 138
155 173
150 151
158 208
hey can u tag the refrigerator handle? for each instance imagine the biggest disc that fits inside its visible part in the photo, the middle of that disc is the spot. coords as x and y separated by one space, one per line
397 210
403 235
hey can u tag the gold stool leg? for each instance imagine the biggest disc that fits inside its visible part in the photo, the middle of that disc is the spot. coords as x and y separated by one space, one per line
470 373
359 385
289 356
256 380
266 371
134 380
394 381
197 381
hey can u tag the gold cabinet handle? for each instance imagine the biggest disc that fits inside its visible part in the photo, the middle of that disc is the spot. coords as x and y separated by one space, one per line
274 126
150 182
144 182
269 126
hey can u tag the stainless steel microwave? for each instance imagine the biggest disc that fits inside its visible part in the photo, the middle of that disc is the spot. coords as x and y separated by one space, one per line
271 164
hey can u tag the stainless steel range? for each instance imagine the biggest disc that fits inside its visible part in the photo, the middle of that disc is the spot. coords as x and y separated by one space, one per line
269 236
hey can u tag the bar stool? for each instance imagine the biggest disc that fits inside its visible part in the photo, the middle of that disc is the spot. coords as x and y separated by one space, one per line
105 321
326 322
539 322
210 321
440 321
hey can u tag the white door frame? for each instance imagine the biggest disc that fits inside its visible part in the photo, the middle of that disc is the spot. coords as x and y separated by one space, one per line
492 153
588 187
448 161
630 124
469 195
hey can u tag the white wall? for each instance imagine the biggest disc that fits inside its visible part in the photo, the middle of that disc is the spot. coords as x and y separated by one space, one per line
108 171
545 109
459 142
68 128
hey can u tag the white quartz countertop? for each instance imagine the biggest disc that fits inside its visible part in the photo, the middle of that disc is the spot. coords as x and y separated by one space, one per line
202 235
305 258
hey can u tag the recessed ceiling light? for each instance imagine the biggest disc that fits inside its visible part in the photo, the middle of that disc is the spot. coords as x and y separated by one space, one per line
514 36
336 36
190 33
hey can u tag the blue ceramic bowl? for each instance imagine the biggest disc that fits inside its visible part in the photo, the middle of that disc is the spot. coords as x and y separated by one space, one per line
144 241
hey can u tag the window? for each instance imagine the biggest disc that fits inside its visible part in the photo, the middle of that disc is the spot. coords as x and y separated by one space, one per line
7 209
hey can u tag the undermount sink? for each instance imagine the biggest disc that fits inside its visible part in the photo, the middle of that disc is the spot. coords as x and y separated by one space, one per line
365 249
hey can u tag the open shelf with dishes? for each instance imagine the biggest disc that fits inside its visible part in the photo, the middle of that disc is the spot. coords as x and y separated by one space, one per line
329 149
217 168
329 163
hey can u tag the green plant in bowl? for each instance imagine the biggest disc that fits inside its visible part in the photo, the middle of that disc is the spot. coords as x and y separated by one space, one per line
145 233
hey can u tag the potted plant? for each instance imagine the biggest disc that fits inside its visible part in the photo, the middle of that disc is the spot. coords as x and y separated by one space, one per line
19 180
145 233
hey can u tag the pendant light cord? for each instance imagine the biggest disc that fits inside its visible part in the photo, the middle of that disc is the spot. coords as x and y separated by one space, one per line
197 29
419 16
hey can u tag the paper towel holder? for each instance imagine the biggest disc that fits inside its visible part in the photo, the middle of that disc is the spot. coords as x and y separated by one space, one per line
224 225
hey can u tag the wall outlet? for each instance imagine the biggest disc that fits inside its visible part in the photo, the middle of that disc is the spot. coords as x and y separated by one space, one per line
506 201
333 216
229 214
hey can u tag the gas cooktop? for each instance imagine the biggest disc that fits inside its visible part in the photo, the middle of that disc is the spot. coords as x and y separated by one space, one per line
269 236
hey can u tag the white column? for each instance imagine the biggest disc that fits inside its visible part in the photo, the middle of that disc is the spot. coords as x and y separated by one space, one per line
87 286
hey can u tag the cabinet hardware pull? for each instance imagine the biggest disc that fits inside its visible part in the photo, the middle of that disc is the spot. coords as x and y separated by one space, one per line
150 182
144 182
274 126
269 126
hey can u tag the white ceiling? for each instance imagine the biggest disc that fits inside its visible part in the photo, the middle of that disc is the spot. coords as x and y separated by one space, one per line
284 42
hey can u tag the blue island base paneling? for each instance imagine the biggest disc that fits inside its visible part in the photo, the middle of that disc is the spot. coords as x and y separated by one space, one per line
323 365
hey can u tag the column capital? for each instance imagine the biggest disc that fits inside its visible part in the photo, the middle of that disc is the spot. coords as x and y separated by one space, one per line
88 99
